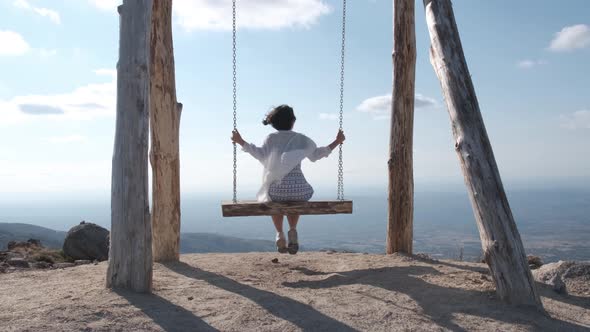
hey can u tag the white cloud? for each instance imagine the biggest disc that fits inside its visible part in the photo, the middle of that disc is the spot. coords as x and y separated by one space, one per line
254 14
571 38
45 12
576 120
12 43
528 64
380 106
84 103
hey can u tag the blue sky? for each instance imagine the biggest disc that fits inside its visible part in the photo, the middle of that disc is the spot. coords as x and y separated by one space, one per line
530 62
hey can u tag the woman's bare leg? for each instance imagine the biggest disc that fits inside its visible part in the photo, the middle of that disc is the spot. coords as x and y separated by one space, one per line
293 237
278 222
280 238
293 220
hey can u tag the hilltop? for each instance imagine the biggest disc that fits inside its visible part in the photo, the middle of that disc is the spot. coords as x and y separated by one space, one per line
309 291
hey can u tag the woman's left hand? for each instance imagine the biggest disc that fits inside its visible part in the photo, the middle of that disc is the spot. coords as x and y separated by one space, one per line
236 137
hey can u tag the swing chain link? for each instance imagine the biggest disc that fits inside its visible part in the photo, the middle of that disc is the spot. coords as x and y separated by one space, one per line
342 53
235 106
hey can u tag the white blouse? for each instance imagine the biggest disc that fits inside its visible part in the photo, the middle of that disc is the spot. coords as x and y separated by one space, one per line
280 153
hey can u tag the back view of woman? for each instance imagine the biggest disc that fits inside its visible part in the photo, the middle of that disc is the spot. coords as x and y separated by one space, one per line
281 155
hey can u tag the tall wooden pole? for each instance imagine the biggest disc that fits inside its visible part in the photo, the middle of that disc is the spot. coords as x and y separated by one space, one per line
130 255
501 243
400 164
165 123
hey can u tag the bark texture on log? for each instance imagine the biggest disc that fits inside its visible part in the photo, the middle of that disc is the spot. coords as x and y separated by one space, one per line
130 255
165 123
254 208
400 165
500 239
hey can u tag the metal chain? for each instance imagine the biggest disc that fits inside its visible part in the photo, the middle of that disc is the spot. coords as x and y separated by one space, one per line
340 161
235 199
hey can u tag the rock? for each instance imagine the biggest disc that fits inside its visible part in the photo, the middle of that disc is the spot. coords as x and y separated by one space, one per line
87 241
31 243
82 262
42 265
557 284
18 262
63 265
275 260
535 262
548 271
579 270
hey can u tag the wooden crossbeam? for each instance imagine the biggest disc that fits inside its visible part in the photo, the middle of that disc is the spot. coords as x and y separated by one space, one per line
254 208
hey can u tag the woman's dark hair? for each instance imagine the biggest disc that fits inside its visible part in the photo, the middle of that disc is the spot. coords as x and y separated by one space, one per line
281 118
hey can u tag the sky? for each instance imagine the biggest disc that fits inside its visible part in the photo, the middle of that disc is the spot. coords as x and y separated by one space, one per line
529 61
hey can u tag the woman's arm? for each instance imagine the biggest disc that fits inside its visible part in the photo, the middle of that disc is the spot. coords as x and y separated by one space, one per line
323 152
339 140
256 152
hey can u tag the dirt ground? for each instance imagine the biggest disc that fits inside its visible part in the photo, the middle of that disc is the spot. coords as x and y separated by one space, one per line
311 291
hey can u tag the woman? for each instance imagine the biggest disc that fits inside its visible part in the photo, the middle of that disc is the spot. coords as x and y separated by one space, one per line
281 155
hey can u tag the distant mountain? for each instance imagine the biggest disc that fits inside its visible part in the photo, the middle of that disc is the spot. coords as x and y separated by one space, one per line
189 242
22 232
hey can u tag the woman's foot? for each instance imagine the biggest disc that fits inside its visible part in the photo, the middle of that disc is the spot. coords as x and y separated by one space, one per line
281 243
293 241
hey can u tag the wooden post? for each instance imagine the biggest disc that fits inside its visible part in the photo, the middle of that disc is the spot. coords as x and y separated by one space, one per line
165 123
501 243
130 255
401 177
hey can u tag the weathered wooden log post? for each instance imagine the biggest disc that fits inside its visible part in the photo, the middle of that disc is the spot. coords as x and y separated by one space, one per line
165 123
130 255
500 239
401 173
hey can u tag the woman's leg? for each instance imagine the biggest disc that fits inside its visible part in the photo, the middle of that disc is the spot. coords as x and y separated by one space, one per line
293 237
280 239
293 220
278 222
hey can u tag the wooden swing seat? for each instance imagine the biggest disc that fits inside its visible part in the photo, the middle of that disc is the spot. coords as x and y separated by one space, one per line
255 208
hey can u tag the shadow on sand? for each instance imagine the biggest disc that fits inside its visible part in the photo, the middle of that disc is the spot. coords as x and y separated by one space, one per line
169 316
438 302
302 315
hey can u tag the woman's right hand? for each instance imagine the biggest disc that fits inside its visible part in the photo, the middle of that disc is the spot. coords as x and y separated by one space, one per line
236 137
340 138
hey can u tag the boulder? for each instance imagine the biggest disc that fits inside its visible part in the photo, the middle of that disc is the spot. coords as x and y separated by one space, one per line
566 276
535 262
87 241
18 262
548 271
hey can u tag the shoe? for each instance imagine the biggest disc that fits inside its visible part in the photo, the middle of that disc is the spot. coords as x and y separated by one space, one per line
293 247
281 243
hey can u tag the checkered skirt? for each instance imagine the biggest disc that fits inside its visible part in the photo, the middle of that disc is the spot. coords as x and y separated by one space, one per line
293 187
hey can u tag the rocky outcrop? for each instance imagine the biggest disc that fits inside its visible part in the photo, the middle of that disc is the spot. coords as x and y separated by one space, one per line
28 254
565 276
87 241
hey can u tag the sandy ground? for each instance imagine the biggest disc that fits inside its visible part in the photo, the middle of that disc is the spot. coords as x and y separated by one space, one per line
309 291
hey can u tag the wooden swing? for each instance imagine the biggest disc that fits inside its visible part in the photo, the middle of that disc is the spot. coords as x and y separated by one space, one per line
235 208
